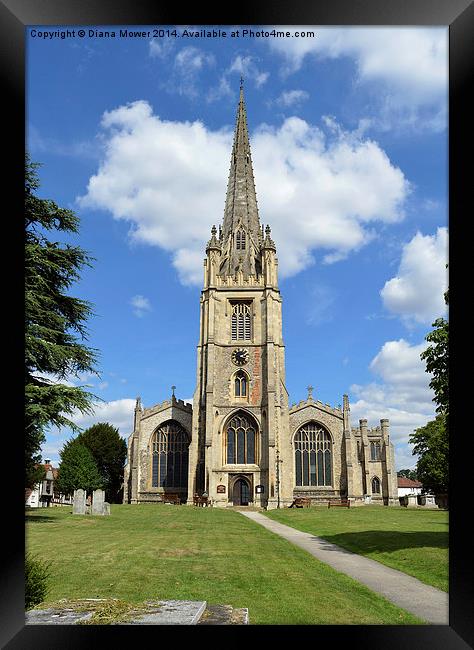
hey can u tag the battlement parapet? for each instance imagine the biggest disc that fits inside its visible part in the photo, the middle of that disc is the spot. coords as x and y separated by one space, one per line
179 403
317 404
240 280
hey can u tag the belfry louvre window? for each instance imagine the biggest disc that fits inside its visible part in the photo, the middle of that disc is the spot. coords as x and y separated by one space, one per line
313 449
170 456
375 451
241 440
241 321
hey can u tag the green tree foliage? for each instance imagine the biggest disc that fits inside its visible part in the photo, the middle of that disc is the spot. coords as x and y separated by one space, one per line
436 357
109 450
54 322
37 580
431 444
77 469
408 473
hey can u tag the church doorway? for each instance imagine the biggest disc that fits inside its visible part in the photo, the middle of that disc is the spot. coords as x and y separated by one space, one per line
241 495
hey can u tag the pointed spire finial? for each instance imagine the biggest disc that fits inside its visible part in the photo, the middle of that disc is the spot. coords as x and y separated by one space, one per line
241 210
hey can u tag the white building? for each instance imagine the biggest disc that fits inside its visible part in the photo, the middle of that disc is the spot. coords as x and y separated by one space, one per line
43 494
406 486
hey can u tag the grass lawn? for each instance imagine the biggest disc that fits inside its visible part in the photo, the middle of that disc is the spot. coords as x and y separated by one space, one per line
158 552
413 541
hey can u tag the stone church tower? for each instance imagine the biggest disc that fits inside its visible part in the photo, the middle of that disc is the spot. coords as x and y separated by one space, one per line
241 443
240 417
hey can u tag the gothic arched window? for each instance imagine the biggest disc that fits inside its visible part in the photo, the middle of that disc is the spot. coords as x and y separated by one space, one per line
241 383
240 240
375 485
241 440
170 456
241 321
375 451
313 449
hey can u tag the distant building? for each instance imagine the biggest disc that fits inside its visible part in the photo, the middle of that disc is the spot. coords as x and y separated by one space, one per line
408 486
43 494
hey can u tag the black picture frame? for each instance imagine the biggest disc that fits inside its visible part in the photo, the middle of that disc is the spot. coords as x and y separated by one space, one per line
458 15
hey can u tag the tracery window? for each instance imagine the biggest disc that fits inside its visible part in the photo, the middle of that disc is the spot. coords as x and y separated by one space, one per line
240 240
241 440
240 384
375 485
170 456
313 450
375 451
241 321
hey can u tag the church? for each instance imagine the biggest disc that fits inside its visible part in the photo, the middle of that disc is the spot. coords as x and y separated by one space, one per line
241 443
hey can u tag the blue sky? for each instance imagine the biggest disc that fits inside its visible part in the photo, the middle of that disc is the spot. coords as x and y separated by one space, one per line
348 133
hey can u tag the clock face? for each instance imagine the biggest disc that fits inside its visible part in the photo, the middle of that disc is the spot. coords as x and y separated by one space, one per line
240 356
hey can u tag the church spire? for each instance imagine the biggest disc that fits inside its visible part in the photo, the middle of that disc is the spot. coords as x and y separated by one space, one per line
241 234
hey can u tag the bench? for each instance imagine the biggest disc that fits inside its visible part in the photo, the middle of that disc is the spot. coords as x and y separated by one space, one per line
202 502
171 498
342 503
301 502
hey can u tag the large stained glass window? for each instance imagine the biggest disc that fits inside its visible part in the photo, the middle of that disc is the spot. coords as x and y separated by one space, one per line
313 461
241 440
170 456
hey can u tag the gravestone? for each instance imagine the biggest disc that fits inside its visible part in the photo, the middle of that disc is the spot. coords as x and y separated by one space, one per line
98 498
79 502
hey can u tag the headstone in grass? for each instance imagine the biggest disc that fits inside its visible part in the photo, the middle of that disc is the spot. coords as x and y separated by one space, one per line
79 502
98 502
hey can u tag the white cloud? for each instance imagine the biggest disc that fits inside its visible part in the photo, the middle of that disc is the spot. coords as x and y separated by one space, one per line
247 67
160 48
403 395
191 59
292 97
118 413
168 179
141 305
416 293
184 70
408 67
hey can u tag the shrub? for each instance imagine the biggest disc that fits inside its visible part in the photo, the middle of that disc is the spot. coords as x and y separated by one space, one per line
37 576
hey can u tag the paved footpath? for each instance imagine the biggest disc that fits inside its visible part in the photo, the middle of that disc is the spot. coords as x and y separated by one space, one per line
424 601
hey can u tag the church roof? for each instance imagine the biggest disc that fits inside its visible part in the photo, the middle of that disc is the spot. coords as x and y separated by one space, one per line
408 483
